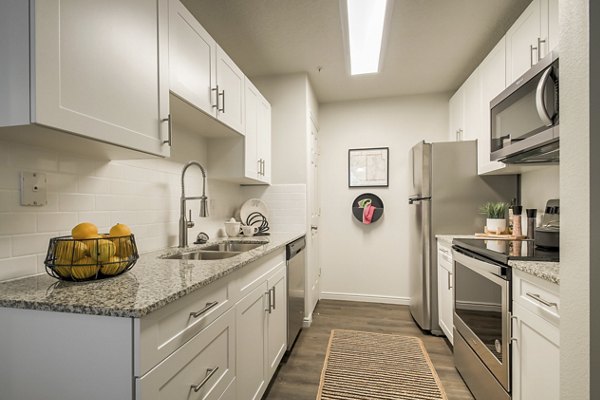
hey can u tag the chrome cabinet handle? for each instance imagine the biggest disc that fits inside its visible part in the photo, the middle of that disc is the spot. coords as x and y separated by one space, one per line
216 90
263 167
169 141
449 280
539 48
532 48
196 314
209 373
274 304
268 293
539 298
258 163
222 94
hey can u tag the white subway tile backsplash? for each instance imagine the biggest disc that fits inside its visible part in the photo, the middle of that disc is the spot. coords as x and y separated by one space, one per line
9 178
23 245
11 224
54 222
76 202
101 219
91 185
5 244
63 183
17 267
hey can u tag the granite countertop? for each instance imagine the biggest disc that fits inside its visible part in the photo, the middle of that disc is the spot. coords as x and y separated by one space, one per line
151 284
448 237
546 270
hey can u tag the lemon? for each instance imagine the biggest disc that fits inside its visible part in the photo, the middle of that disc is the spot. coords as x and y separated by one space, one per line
84 268
120 230
113 266
65 272
101 249
84 230
69 251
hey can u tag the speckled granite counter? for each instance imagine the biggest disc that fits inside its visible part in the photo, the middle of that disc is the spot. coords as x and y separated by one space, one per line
151 284
542 269
448 238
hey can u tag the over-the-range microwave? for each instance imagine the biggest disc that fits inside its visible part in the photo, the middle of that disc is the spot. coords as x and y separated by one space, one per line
525 119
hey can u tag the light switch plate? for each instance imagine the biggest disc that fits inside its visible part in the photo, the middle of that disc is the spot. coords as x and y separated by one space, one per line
33 189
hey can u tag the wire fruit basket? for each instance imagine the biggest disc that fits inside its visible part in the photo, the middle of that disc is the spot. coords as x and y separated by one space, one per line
90 259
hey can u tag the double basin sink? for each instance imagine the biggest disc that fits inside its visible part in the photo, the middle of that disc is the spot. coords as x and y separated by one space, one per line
217 251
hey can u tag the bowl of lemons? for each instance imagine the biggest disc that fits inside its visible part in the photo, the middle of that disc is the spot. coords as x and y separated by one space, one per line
89 255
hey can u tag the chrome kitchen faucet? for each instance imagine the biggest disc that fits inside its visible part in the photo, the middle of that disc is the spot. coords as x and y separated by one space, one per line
185 224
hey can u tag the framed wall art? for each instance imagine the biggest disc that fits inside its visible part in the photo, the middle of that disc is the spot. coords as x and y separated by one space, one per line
368 167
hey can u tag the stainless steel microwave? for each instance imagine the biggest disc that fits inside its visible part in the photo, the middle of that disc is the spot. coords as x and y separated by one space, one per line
525 117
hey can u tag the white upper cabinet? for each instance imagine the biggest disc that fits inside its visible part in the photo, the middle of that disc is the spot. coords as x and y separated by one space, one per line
98 70
492 74
230 89
192 60
531 37
257 152
456 115
472 111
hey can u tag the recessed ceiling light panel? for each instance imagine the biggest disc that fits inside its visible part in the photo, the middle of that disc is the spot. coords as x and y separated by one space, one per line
365 24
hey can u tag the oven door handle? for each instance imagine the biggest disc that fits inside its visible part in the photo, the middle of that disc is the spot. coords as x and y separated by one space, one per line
486 269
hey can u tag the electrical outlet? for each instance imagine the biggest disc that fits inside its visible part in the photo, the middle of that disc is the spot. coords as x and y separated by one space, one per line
33 189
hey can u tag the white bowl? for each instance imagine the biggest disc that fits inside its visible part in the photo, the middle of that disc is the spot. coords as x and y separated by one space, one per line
232 229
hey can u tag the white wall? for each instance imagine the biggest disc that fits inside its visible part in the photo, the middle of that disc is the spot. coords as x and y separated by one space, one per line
362 262
540 185
577 375
143 194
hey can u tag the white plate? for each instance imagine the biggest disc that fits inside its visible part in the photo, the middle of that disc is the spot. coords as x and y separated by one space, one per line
253 205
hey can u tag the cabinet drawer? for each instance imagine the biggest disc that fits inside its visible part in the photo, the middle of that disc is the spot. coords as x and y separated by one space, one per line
203 368
165 330
445 257
253 275
537 297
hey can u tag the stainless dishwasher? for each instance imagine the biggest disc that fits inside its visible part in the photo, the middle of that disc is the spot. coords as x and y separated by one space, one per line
295 261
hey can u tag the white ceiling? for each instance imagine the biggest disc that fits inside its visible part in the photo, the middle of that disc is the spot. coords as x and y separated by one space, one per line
433 45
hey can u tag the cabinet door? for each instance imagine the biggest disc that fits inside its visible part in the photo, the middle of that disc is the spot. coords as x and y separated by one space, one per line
264 138
536 357
472 112
252 162
493 81
456 115
553 28
230 80
445 291
522 41
251 325
277 321
101 70
192 59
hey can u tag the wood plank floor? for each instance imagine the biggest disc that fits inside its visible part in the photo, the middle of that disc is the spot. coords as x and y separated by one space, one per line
298 377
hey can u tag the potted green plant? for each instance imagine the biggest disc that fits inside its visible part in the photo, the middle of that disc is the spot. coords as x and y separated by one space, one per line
495 213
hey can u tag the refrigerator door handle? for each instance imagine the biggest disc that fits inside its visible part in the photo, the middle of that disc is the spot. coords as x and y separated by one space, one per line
411 200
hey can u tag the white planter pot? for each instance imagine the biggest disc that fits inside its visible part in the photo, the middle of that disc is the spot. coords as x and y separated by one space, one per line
496 225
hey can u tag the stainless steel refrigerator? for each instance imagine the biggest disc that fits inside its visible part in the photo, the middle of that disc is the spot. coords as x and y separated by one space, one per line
445 194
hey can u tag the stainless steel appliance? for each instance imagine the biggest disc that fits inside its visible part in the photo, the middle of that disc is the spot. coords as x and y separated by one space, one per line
445 195
482 311
295 256
548 234
525 117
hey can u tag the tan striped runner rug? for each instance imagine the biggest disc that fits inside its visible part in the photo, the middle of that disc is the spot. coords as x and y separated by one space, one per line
376 366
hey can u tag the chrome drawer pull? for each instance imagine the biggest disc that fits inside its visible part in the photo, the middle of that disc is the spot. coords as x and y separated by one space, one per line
209 373
537 297
268 293
274 306
204 310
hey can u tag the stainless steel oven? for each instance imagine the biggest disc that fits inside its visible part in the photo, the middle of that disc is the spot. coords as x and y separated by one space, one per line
482 318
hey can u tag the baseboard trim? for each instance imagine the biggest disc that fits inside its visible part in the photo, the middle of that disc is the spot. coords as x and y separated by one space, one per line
307 322
365 298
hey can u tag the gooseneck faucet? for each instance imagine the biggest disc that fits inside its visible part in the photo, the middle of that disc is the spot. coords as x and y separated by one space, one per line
185 224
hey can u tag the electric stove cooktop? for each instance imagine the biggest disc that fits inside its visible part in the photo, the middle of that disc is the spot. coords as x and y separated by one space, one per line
504 250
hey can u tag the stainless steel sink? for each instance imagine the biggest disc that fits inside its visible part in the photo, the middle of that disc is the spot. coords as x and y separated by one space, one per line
232 246
204 255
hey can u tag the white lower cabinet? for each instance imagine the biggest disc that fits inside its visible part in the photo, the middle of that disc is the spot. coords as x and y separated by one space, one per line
536 348
200 369
261 322
445 290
